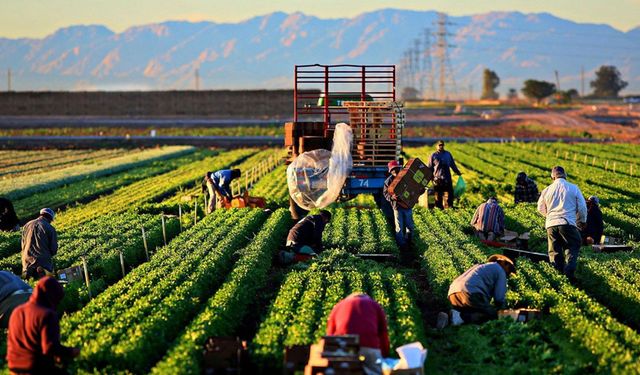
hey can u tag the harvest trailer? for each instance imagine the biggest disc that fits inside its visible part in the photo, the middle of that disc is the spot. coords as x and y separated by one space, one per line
363 96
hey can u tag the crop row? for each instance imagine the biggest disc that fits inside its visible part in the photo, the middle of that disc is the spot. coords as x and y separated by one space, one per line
100 243
300 311
246 166
223 313
139 325
573 312
20 166
23 186
359 230
87 189
273 187
148 190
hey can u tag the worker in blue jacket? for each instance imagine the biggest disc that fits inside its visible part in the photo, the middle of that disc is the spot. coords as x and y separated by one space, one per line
219 186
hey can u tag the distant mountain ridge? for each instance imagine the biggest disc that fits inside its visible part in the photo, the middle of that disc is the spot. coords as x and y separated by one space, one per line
260 52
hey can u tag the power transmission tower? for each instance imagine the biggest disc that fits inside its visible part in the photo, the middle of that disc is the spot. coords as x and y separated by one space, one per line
444 63
557 80
197 79
427 66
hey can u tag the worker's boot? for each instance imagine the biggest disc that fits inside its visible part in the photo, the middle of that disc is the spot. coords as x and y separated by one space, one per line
443 320
456 318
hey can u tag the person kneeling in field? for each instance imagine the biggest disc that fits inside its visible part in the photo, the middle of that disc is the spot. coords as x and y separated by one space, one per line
488 221
13 293
361 315
470 294
306 236
33 342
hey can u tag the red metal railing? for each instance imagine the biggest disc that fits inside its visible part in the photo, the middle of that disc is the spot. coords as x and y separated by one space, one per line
319 89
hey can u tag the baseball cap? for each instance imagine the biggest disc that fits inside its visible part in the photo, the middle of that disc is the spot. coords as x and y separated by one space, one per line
48 211
393 164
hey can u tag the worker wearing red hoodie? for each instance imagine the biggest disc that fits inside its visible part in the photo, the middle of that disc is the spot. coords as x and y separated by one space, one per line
33 341
359 314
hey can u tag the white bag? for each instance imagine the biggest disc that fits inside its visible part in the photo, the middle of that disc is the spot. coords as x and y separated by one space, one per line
315 178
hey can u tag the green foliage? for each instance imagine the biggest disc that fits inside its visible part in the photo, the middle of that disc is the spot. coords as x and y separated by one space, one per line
608 82
490 81
538 90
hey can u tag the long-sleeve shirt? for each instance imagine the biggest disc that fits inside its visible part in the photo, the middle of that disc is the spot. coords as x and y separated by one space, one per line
8 218
39 244
562 203
308 232
595 226
488 279
359 314
489 217
34 330
222 179
527 192
442 162
9 284
387 195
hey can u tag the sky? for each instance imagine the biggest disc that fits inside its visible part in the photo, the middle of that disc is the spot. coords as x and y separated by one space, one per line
38 18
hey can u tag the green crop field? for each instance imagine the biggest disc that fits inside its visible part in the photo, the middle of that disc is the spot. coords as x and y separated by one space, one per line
191 276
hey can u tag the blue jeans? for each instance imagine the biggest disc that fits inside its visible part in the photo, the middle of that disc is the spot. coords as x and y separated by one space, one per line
403 220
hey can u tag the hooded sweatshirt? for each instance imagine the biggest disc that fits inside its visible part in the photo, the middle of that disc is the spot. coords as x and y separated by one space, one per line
34 331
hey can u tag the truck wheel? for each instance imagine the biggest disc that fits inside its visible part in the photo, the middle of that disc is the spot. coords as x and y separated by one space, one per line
297 212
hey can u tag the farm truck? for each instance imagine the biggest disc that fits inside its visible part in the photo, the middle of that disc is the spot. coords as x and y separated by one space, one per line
363 96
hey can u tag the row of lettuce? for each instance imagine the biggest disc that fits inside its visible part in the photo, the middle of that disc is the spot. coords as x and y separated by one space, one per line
588 334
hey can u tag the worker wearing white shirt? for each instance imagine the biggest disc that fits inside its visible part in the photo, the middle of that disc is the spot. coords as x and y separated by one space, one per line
564 207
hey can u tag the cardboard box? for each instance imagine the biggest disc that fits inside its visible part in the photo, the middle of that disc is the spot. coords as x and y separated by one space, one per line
521 315
411 182
71 274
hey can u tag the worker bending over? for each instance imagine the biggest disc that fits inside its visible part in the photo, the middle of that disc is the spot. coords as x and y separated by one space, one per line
488 221
592 231
33 342
219 187
470 294
13 293
402 214
359 314
563 206
442 162
39 245
526 190
8 218
306 236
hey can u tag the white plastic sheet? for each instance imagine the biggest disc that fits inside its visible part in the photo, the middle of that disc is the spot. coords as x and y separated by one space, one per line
315 178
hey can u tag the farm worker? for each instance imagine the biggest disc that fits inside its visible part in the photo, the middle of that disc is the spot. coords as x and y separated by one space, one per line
219 186
359 314
592 231
488 221
402 214
442 162
564 207
306 236
39 245
13 293
470 294
526 189
33 342
8 218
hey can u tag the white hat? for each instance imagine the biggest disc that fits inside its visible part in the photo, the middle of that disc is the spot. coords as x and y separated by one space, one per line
48 211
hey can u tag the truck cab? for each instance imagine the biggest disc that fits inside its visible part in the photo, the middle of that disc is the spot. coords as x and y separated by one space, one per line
363 96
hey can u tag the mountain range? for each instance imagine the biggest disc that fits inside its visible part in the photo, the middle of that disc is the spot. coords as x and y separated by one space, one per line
261 52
